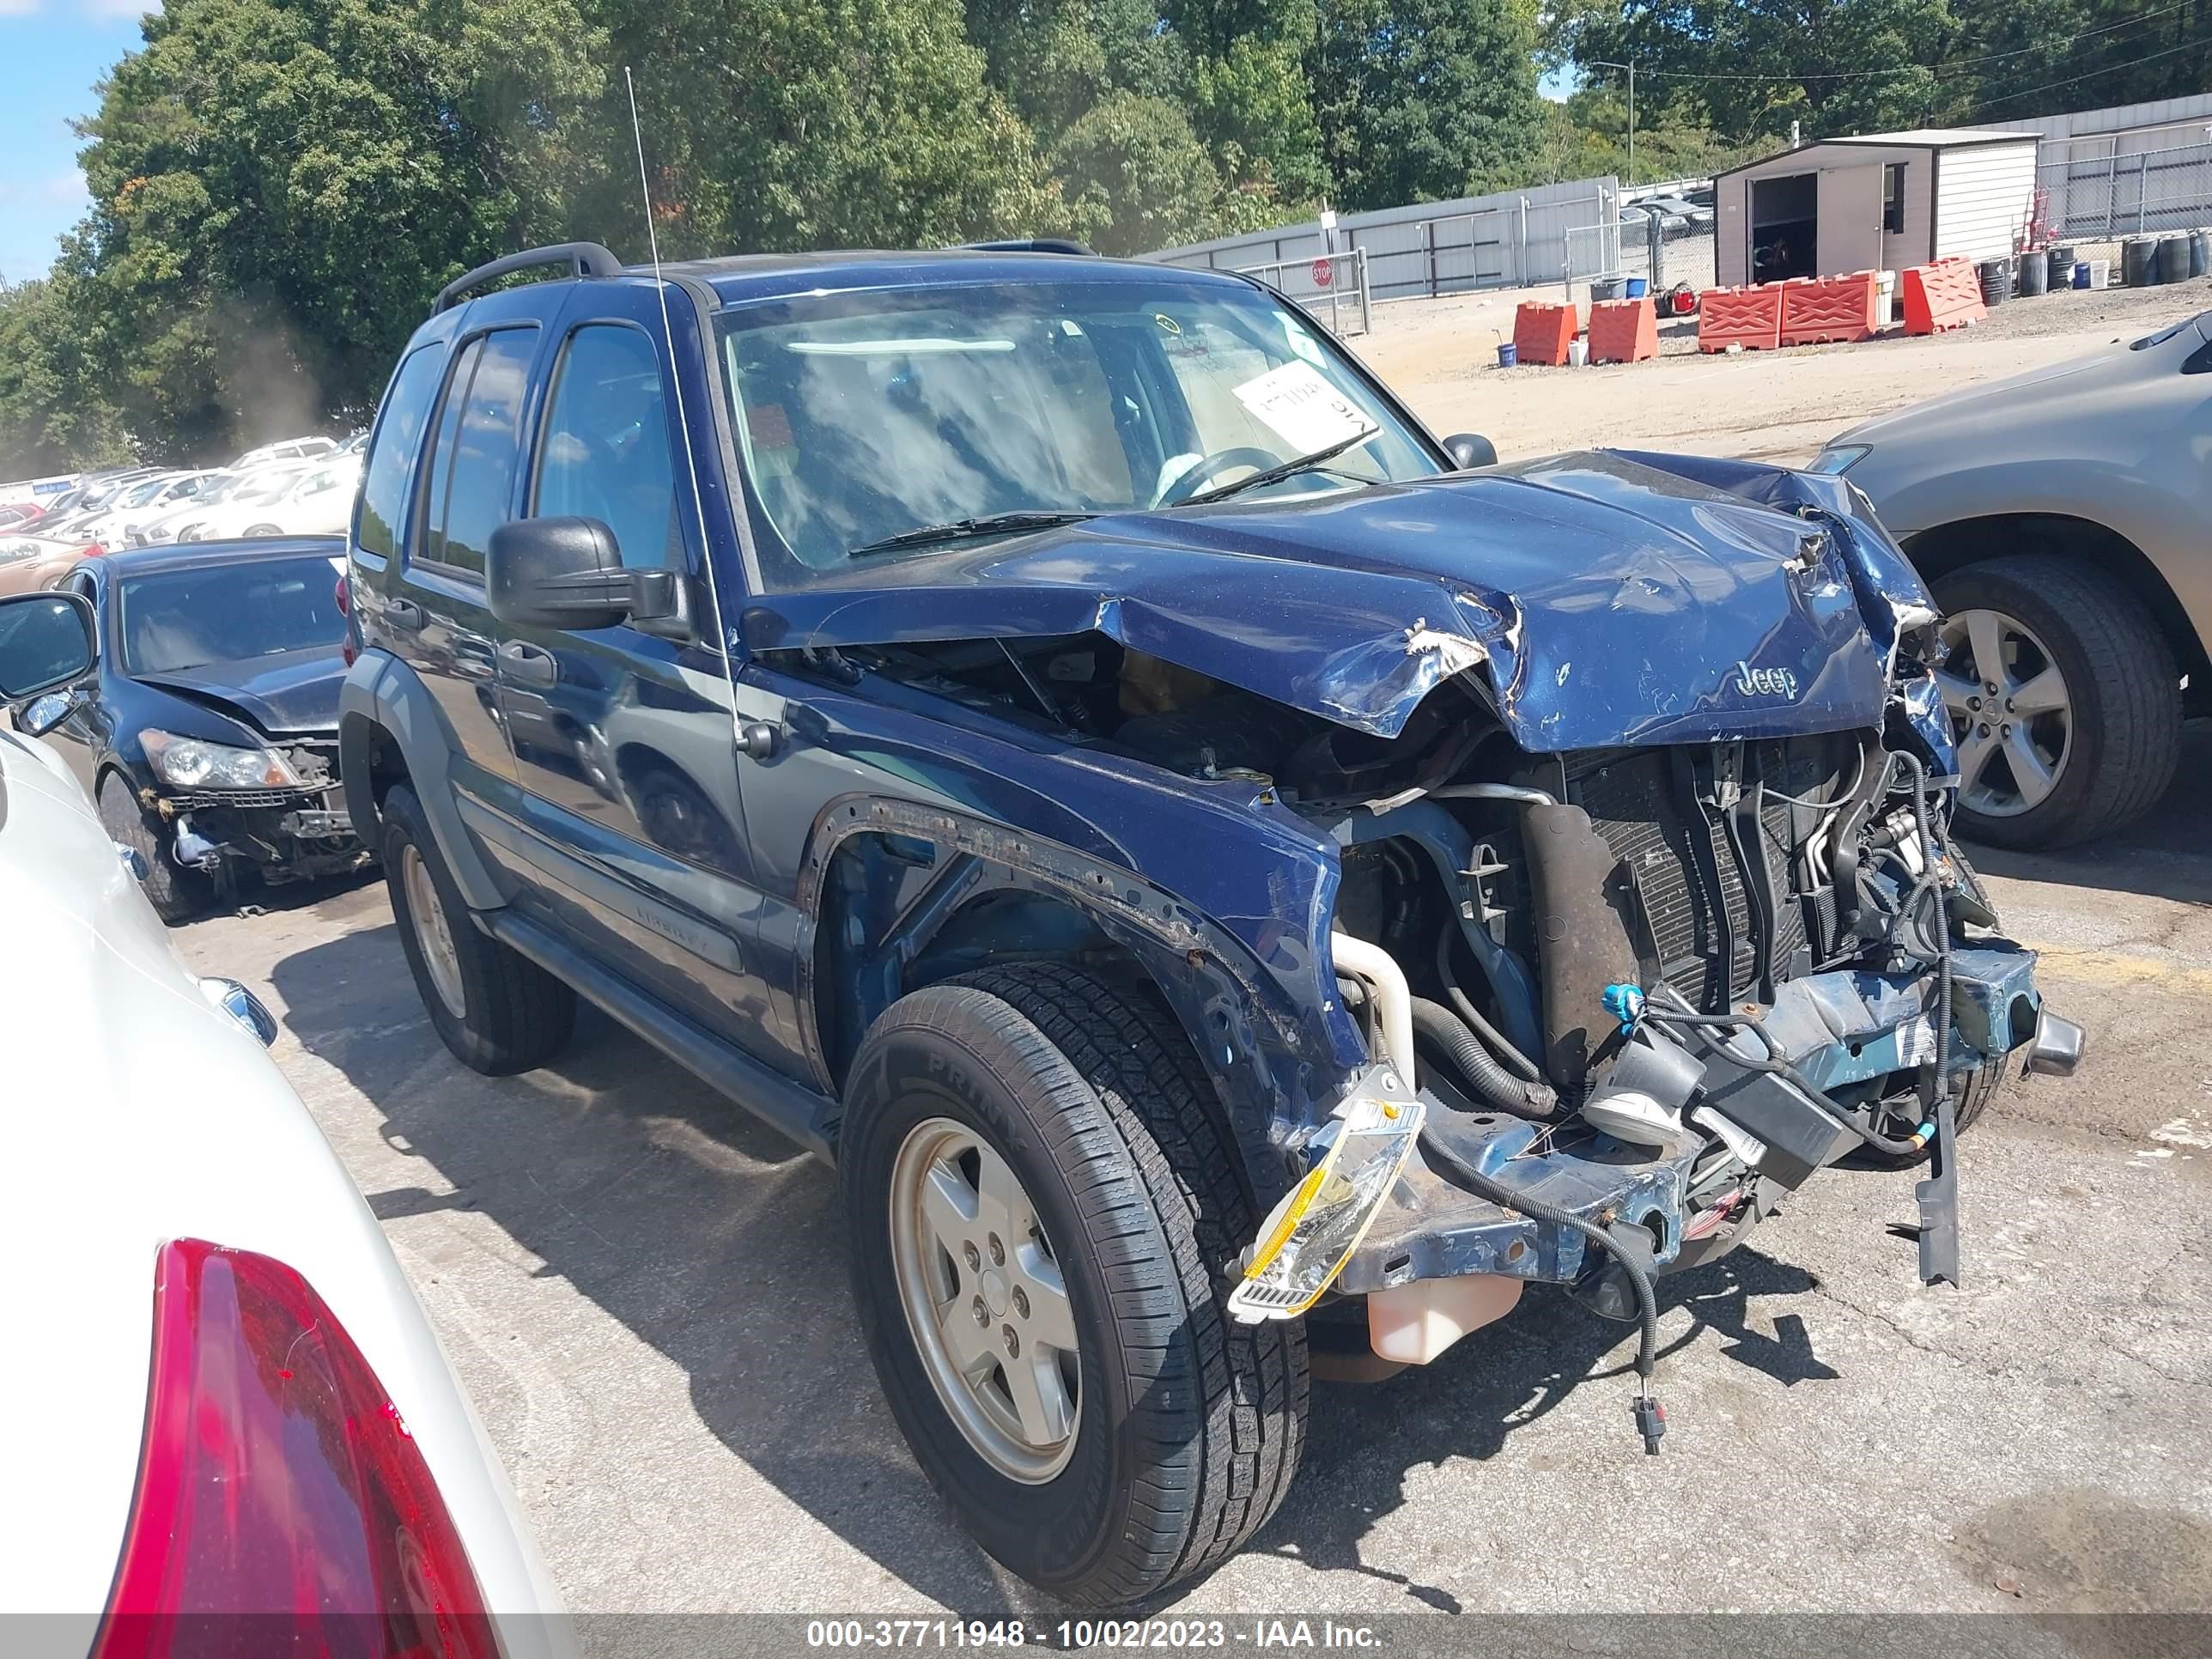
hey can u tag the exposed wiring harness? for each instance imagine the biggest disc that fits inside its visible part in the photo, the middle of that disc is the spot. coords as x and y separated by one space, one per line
1491 1081
1650 1415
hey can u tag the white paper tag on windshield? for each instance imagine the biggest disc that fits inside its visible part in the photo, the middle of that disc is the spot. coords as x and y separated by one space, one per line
1303 408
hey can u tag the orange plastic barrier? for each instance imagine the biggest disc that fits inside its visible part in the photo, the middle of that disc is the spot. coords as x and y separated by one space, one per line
1540 331
1946 294
1748 316
1815 310
1623 330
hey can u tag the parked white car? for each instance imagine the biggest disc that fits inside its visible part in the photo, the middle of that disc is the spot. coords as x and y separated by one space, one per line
289 449
163 525
261 504
164 492
226 1397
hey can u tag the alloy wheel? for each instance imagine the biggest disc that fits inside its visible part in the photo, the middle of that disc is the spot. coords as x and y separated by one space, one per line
432 933
2011 715
985 1300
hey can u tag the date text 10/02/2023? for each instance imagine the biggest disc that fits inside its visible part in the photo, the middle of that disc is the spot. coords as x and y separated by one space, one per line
1077 1635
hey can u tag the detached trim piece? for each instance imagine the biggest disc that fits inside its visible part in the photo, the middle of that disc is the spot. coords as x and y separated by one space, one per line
582 259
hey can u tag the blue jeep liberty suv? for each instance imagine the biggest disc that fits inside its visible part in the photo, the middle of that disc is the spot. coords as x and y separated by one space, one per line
1236 886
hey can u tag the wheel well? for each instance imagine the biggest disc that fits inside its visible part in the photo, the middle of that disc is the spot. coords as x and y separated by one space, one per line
1935 553
369 748
899 913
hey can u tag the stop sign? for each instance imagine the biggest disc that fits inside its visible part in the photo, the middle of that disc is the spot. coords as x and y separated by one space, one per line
1324 273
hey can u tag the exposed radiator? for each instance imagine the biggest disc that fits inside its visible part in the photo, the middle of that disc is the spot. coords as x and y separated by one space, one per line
1678 857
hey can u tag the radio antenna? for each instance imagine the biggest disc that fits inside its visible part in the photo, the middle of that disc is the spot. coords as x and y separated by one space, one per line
675 387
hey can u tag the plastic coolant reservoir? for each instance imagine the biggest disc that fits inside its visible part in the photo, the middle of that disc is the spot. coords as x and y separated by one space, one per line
1414 1323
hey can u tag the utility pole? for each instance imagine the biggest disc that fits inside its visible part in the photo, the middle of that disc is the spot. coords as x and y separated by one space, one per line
1599 63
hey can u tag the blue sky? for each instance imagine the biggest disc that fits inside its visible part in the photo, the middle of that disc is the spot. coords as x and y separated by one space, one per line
55 50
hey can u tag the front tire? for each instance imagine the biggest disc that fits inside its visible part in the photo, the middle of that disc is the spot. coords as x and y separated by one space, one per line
2073 728
499 1012
178 895
1045 1093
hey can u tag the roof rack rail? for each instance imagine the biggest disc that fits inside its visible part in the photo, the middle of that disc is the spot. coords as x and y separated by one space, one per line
582 259
1032 245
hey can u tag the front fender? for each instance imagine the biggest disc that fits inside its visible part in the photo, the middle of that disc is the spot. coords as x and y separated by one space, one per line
381 692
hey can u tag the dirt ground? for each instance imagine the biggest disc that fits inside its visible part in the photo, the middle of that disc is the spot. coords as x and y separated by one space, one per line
1440 355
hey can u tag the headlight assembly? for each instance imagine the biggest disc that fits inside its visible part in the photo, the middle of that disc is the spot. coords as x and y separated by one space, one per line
1305 1241
1839 460
196 764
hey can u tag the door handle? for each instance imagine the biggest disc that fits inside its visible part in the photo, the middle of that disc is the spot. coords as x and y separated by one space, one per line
404 613
527 664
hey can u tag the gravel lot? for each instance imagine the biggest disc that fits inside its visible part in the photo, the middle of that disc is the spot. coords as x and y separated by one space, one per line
646 1292
1772 405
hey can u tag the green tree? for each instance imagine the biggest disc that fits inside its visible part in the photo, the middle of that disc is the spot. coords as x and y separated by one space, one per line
1425 100
1835 66
1137 176
279 187
1254 107
55 414
821 123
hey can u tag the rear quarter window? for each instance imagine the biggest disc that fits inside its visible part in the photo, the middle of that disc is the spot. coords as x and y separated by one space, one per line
392 453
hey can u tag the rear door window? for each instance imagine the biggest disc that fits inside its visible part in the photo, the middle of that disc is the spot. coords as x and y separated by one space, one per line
472 469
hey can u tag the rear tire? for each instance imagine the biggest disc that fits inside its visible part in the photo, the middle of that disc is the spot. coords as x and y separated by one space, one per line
264 530
178 895
499 1012
1187 1427
2122 685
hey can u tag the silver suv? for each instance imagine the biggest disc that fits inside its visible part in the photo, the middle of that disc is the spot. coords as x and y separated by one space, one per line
2060 518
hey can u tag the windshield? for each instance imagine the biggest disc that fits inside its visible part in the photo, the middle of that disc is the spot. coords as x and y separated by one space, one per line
178 619
863 416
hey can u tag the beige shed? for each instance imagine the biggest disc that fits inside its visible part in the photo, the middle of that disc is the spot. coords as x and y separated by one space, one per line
1879 203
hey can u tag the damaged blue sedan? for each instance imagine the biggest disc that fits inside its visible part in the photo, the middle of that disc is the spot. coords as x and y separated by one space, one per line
1233 883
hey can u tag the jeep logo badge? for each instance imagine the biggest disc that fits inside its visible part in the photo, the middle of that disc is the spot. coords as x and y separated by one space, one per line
1765 681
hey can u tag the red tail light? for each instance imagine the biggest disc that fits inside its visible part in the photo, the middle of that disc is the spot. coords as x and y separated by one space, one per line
91 550
282 1504
349 650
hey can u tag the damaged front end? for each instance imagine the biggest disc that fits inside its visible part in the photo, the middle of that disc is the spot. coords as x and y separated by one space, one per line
1607 798
292 825
1634 991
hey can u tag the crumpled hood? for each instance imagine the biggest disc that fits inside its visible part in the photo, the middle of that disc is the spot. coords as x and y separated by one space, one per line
285 694
1609 599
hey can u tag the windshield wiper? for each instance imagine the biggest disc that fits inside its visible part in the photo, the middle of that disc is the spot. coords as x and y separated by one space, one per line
988 524
1277 474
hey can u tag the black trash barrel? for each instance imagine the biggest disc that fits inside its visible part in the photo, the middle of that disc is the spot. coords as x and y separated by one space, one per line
2034 276
2137 254
2174 259
2200 253
1996 280
2059 267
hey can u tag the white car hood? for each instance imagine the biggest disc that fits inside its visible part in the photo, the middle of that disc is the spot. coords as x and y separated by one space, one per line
135 1113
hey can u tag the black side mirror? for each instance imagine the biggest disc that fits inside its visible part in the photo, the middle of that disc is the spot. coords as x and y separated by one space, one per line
46 641
1469 450
568 573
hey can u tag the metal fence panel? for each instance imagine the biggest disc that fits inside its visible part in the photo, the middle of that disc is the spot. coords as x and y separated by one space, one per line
1547 233
2103 197
1334 286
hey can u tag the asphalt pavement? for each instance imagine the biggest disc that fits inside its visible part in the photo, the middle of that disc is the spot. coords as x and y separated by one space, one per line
644 1292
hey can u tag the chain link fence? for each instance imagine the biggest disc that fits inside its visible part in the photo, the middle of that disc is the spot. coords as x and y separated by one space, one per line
1665 249
2087 198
